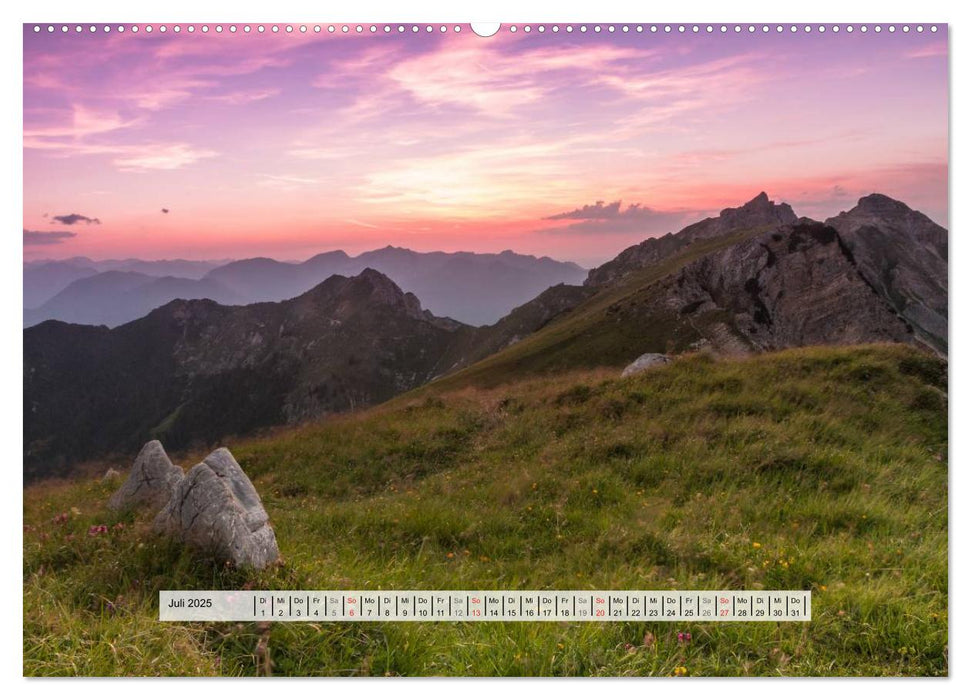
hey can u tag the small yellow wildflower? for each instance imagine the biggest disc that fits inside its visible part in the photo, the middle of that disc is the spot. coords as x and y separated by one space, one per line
680 671
756 545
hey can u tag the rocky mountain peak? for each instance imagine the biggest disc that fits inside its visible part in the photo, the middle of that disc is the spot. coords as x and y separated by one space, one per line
877 203
758 202
879 208
379 287
759 211
903 255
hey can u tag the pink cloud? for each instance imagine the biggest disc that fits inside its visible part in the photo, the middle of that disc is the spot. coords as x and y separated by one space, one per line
160 157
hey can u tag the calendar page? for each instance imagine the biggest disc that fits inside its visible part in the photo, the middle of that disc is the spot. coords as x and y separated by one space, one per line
516 349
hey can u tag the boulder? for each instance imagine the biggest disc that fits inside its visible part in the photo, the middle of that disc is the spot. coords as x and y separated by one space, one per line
216 510
151 483
645 361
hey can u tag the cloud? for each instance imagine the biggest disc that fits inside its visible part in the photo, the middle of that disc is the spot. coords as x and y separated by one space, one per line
84 137
286 182
605 211
928 51
47 237
613 218
71 219
485 78
81 122
160 157
242 97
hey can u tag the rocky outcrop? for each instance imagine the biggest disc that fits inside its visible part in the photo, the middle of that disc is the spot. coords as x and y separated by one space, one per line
903 255
645 362
151 483
760 212
216 510
793 286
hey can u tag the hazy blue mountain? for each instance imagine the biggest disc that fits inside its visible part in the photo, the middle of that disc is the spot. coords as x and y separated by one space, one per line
43 280
116 297
475 288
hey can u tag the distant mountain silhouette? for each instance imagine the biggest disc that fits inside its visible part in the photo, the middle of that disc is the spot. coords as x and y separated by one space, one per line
474 288
113 298
43 280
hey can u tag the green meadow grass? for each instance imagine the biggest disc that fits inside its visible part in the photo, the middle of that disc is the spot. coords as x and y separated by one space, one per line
819 468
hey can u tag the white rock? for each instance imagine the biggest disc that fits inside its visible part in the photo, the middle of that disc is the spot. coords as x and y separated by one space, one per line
216 510
644 362
151 483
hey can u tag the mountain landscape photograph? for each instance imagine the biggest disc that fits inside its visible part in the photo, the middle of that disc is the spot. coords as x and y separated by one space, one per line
566 308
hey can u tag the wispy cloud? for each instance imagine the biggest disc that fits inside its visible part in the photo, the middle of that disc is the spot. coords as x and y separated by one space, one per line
937 48
287 182
82 122
32 238
242 97
160 157
362 224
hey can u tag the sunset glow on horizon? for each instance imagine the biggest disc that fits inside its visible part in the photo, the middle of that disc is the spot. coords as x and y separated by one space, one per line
234 145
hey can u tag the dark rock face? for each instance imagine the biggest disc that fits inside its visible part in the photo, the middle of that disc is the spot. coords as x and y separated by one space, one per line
757 213
903 255
152 481
216 511
793 286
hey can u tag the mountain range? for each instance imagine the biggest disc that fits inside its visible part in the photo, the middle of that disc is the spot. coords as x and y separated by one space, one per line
474 288
754 278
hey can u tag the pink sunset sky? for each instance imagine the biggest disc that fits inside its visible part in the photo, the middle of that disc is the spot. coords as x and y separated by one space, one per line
287 145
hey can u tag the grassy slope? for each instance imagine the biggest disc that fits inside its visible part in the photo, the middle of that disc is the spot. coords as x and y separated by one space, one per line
586 336
813 468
